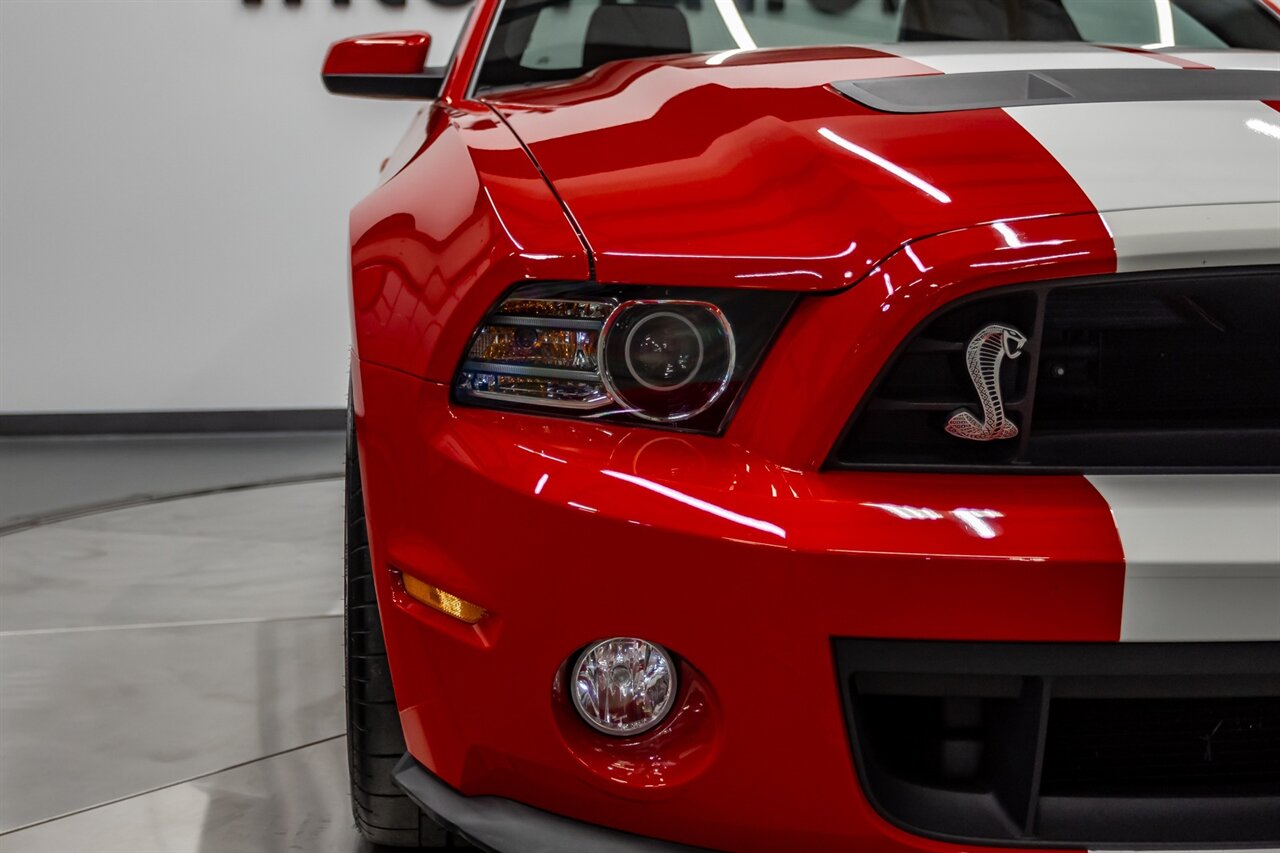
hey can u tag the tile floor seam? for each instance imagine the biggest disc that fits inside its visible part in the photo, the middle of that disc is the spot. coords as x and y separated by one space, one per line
141 626
171 784
25 523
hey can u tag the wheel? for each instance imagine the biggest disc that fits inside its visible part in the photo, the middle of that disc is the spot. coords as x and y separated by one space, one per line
375 742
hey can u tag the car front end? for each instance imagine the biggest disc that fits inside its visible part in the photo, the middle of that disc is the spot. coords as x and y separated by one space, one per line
865 658
760 454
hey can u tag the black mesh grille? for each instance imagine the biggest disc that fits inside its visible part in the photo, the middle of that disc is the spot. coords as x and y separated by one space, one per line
1059 744
1179 371
1137 747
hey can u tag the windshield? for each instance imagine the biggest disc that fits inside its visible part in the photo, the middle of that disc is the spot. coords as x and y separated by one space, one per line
542 40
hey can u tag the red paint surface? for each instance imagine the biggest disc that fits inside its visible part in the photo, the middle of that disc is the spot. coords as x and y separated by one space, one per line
435 245
729 182
467 55
743 568
379 53
679 172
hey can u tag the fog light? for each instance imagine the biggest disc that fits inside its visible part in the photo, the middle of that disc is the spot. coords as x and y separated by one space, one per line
623 686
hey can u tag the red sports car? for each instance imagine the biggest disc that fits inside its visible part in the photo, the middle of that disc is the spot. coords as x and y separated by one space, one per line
822 425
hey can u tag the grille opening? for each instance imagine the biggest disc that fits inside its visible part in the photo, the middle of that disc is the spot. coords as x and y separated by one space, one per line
1053 744
1180 371
1186 356
930 381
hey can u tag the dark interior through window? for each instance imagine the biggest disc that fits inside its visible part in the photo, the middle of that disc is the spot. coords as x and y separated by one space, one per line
545 40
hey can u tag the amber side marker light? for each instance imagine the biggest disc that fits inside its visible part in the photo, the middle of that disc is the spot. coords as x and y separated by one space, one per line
437 599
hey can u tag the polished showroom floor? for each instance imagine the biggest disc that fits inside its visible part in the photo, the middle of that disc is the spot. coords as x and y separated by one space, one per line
170 666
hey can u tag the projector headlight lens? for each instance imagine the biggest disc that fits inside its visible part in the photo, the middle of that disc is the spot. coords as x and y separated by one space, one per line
623 686
666 359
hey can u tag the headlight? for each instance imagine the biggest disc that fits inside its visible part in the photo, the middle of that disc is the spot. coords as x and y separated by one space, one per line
624 686
668 360
664 355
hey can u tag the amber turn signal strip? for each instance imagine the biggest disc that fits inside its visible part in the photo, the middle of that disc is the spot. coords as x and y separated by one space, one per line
437 599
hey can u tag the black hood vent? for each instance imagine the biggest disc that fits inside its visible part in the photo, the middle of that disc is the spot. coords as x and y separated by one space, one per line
937 93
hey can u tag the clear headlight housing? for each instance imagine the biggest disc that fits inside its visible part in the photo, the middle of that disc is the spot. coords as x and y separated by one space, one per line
674 356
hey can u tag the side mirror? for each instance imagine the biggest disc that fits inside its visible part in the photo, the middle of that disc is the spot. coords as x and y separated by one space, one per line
383 65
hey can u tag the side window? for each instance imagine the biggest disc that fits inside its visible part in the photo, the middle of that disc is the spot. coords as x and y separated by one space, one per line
812 21
558 35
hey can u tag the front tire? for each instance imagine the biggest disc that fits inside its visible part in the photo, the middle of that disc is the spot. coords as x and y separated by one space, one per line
375 741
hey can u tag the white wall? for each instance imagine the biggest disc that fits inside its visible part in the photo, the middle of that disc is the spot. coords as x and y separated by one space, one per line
174 188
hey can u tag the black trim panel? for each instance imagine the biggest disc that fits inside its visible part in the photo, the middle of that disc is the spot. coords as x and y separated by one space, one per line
506 826
936 93
154 423
422 86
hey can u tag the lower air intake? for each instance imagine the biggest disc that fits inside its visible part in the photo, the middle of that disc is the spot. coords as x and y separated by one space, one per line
1068 744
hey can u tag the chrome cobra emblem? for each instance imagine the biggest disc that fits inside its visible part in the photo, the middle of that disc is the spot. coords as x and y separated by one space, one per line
984 356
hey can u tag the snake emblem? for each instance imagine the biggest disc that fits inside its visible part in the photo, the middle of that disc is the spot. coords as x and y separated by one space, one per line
984 356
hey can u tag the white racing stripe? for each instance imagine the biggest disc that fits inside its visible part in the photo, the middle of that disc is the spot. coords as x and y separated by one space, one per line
1166 238
1163 154
1202 555
1219 850
1253 60
973 57
1137 162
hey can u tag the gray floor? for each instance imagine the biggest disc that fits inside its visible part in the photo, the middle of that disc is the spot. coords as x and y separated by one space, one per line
170 674
43 476
283 803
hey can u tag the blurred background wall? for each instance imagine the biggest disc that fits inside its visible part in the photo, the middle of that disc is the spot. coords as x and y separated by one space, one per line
174 189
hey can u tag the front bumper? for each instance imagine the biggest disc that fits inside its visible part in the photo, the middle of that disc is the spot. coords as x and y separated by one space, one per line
566 532
569 531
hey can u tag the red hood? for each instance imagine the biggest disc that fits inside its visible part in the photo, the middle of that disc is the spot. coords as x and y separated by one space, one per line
748 169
